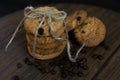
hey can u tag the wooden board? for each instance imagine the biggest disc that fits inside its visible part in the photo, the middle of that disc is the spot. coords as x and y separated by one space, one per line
112 70
18 51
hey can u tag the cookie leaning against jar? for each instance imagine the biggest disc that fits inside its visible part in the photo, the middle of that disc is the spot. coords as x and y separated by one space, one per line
92 30
75 19
47 46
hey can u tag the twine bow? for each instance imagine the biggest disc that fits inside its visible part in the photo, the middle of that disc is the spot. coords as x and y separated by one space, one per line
30 12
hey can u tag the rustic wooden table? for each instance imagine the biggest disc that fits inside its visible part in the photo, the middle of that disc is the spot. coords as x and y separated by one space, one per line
106 69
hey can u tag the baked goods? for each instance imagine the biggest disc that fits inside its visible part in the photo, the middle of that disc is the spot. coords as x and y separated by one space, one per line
47 47
92 29
75 19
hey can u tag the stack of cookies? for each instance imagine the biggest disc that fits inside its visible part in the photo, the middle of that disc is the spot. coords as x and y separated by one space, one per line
47 46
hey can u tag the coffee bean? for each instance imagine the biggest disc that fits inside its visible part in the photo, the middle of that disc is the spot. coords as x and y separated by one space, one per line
100 57
19 65
27 61
37 63
53 72
63 74
84 51
95 56
15 77
80 74
51 64
42 70
81 61
70 73
75 70
83 66
103 44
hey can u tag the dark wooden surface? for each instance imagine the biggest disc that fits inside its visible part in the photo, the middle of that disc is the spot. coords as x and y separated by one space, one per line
106 69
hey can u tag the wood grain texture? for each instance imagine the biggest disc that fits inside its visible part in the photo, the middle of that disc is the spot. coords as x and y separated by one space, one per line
18 51
112 70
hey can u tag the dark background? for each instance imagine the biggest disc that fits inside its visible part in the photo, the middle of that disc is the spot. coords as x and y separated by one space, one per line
9 6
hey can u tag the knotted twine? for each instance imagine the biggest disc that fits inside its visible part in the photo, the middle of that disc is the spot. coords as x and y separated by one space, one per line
31 12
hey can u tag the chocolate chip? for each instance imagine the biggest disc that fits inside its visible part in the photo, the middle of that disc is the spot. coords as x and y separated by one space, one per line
79 18
83 32
19 65
15 77
41 31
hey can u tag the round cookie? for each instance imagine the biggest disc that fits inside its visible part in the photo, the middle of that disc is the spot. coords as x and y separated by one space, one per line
49 54
93 30
47 46
48 43
75 19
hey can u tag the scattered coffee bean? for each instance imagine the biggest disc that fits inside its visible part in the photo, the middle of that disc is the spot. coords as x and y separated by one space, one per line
15 77
63 74
19 65
42 70
81 61
75 70
84 51
37 63
80 74
53 72
51 64
85 67
95 56
71 73
100 57
27 61
103 44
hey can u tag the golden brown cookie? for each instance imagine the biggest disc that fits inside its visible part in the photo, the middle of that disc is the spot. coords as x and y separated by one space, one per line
47 54
75 19
93 30
44 42
47 46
